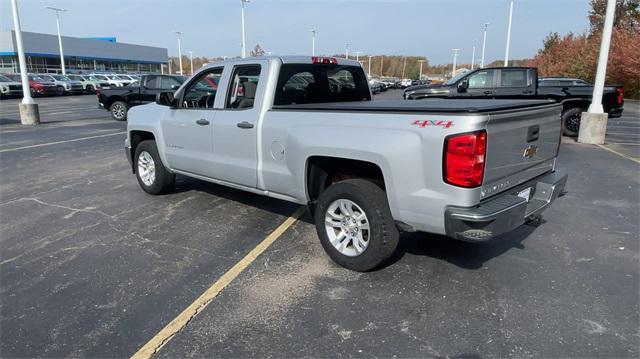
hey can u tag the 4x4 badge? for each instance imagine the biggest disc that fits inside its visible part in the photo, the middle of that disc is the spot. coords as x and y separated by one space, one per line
530 151
425 123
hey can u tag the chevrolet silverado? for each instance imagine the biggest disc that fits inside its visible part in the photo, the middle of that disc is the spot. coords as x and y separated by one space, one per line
305 130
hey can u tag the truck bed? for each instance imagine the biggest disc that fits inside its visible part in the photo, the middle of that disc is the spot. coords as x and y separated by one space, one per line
431 106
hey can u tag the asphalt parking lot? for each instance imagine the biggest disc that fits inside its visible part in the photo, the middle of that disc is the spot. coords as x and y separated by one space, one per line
91 266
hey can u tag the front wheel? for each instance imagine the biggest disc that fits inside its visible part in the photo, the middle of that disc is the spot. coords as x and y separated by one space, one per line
90 89
60 91
152 176
571 121
119 110
355 226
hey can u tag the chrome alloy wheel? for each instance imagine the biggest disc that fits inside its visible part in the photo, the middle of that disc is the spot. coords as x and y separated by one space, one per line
146 168
347 227
118 110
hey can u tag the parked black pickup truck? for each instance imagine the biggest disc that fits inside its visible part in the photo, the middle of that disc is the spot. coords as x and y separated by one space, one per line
523 83
118 100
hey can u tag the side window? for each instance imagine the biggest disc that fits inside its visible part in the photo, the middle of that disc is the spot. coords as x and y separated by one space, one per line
481 79
168 83
151 82
565 83
513 78
201 93
243 86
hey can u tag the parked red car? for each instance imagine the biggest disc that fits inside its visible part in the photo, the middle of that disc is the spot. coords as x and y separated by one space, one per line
37 85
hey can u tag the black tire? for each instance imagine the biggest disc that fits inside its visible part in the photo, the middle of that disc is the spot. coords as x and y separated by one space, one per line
90 89
119 110
60 91
163 180
33 92
383 235
571 121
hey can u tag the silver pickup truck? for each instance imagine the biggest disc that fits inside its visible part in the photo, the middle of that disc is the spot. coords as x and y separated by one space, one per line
305 130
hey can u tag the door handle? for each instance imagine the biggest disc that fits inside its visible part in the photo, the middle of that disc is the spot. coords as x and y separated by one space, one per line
202 122
488 92
245 124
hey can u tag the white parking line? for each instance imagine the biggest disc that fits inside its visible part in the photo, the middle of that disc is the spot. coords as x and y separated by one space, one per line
619 154
59 142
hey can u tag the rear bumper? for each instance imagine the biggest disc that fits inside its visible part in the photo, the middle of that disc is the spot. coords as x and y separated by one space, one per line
506 211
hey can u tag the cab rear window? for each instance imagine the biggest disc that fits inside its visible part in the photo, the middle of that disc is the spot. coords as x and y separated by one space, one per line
318 83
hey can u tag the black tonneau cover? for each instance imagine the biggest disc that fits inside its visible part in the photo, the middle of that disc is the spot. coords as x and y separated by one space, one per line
428 105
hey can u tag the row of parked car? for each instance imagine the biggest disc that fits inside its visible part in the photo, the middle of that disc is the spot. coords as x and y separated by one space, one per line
384 83
58 85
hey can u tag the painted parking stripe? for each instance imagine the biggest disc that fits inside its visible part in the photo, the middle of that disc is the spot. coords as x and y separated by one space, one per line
179 322
60 142
619 154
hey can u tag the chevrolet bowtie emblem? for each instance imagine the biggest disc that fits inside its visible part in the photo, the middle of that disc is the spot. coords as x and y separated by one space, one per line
530 151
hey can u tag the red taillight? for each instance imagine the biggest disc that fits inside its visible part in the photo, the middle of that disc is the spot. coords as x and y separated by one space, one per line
620 92
464 159
324 60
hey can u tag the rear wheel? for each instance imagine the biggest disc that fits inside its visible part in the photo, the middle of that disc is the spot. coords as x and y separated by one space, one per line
119 110
355 226
571 121
60 91
152 176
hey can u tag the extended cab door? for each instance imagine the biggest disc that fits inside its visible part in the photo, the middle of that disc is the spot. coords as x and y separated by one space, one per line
516 83
235 127
187 130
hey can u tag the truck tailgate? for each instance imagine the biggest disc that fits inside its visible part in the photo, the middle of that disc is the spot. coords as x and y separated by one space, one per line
521 145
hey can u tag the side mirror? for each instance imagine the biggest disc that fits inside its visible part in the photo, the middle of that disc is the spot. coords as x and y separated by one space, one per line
463 85
175 87
165 99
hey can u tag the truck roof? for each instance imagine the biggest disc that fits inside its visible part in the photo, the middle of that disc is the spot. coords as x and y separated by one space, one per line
419 106
288 59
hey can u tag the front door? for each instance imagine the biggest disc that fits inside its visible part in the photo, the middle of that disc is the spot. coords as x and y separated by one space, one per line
481 84
188 129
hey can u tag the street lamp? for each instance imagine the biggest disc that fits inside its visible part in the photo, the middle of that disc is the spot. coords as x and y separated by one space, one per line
484 43
191 56
29 114
58 10
357 55
404 66
455 59
244 44
421 62
473 56
370 66
179 49
313 42
346 51
506 51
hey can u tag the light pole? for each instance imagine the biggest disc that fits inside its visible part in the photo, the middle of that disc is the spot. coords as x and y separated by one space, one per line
191 56
506 51
421 62
29 114
593 123
455 60
404 66
313 42
381 62
370 66
58 10
346 51
244 43
484 44
179 33
357 55
473 56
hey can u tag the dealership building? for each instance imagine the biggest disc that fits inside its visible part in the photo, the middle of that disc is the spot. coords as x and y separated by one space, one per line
81 55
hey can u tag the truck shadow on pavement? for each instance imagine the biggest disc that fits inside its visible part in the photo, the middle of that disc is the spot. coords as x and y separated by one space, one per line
465 255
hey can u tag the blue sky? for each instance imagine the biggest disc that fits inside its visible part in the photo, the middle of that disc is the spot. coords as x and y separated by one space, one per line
428 28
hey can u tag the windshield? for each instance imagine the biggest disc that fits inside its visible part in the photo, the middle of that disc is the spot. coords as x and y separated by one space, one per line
35 78
114 77
5 79
455 79
60 77
46 77
98 77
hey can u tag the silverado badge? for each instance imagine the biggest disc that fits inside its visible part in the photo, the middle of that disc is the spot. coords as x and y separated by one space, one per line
530 151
